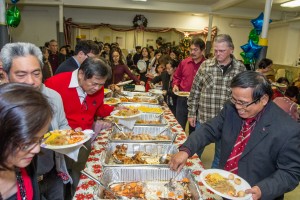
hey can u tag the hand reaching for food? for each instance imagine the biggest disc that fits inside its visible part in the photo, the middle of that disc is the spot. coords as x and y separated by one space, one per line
100 125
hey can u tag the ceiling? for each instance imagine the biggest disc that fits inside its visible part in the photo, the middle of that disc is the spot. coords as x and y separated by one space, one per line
244 9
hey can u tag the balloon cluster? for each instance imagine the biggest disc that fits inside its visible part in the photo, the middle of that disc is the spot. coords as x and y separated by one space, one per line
13 15
251 49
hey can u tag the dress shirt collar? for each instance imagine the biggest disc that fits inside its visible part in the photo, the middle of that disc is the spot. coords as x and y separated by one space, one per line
74 79
74 84
78 64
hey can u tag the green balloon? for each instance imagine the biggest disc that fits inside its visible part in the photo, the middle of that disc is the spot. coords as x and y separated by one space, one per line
254 36
246 58
13 16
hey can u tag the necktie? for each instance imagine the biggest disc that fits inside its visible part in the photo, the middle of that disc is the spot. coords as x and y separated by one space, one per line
240 144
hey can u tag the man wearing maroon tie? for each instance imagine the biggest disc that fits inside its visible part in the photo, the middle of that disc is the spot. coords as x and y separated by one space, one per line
260 142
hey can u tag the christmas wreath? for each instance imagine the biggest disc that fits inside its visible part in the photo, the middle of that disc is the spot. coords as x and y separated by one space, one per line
140 21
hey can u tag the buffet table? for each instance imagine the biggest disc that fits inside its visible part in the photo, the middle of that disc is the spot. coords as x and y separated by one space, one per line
86 187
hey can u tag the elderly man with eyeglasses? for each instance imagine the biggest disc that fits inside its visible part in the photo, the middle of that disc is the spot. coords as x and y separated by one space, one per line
210 88
260 142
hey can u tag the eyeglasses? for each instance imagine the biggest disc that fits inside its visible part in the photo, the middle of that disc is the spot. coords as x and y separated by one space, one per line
31 145
243 104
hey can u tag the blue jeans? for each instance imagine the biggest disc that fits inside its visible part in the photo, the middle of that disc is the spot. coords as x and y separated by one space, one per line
199 153
215 163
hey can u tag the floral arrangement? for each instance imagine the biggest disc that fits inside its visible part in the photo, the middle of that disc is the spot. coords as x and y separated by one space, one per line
140 21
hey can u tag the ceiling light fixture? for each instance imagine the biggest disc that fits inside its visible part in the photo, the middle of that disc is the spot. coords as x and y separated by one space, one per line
139 0
291 4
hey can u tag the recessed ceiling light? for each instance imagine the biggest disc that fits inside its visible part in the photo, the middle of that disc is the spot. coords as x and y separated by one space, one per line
291 4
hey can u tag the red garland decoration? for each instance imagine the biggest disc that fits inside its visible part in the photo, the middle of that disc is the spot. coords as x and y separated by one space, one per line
140 22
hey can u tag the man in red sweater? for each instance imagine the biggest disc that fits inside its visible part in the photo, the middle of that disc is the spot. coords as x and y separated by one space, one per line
82 93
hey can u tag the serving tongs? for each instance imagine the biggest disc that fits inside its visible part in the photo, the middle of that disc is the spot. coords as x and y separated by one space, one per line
121 94
102 185
119 128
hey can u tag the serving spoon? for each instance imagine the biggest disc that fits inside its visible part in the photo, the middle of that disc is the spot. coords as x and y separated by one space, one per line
101 184
163 158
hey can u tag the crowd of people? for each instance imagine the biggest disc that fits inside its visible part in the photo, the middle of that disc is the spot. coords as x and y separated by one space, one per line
251 118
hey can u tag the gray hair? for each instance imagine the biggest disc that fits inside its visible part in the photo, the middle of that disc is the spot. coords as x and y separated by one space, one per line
19 49
224 38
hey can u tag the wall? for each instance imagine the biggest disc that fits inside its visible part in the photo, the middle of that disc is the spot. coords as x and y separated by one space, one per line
38 25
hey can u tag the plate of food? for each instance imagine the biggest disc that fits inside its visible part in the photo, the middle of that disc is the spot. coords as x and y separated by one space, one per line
112 101
225 184
182 94
106 91
156 91
124 83
126 112
281 85
63 139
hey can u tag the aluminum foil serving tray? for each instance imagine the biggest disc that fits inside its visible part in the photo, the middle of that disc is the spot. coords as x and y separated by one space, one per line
138 94
151 130
147 106
141 100
151 117
152 149
144 174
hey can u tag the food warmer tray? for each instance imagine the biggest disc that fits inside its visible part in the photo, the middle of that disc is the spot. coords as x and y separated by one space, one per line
137 94
145 100
143 105
144 174
152 117
132 148
151 130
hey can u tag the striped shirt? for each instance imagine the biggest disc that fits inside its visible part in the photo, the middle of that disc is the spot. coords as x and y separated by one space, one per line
211 88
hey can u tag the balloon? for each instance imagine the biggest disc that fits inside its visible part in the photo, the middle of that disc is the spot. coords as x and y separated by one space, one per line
254 48
254 36
13 16
246 47
14 1
247 57
258 22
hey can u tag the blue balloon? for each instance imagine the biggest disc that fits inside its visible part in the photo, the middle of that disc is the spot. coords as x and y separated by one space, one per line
246 47
254 49
14 1
258 22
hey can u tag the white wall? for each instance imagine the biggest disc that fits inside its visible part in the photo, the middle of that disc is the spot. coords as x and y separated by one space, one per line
38 24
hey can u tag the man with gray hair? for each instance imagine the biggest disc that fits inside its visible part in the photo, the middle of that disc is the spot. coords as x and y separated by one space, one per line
22 63
210 89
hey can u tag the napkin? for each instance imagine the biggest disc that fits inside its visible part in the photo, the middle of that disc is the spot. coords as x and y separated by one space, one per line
139 88
70 152
129 123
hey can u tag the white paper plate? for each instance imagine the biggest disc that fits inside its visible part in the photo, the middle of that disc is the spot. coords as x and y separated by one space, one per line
243 186
124 83
113 114
106 91
182 94
110 103
156 91
88 134
142 66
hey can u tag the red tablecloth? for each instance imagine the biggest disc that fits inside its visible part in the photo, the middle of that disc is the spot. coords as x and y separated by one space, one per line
86 187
